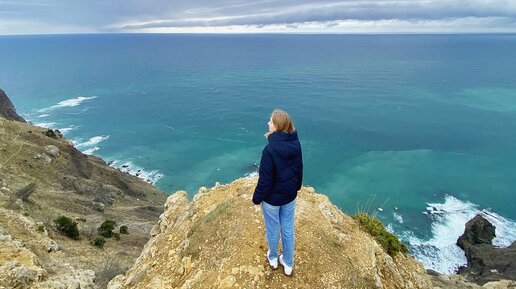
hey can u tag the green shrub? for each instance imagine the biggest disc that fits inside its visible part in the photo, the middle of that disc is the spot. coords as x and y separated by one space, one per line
41 228
106 229
375 228
98 242
116 236
124 230
67 227
55 134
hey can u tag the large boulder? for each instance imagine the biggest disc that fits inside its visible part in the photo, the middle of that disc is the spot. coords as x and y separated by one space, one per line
486 262
7 109
478 231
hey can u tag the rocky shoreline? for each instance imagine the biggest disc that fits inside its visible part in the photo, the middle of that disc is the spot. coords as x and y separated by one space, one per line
486 262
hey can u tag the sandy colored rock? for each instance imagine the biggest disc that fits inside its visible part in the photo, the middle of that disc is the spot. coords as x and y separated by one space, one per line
52 151
216 242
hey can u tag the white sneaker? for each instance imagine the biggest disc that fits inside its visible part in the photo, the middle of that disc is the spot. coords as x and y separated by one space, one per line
272 262
287 269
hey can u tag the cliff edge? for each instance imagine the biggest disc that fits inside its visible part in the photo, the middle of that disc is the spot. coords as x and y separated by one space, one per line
218 241
7 109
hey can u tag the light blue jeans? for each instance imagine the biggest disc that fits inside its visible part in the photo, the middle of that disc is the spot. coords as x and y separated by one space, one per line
280 218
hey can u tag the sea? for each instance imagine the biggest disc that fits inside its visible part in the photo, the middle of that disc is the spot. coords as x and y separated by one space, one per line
418 130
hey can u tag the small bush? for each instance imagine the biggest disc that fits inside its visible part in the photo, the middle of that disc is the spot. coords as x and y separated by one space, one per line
25 192
116 236
375 228
98 242
124 230
41 228
55 134
67 227
106 229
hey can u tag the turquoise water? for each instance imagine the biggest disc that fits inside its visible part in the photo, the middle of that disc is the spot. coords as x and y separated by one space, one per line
421 126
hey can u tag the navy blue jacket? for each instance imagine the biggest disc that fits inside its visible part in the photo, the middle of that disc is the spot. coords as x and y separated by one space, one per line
281 170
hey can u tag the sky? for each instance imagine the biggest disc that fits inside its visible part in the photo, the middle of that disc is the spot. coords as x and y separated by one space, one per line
265 16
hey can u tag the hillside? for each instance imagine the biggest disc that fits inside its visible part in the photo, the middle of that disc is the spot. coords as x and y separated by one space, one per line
65 182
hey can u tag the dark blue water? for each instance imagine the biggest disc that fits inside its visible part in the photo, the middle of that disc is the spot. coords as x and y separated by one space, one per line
391 121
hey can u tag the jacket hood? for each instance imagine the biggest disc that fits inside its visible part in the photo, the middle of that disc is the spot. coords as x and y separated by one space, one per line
285 144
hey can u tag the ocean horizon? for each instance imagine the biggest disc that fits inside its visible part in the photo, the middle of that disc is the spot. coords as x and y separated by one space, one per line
416 129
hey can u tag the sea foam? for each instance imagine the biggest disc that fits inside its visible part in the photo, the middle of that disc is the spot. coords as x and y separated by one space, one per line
68 103
440 252
128 167
51 125
91 142
90 151
66 130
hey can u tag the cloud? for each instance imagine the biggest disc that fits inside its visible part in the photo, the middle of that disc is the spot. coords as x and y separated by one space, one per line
328 14
460 25
286 15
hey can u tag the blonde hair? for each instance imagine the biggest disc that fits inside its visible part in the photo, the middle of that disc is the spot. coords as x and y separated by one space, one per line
282 122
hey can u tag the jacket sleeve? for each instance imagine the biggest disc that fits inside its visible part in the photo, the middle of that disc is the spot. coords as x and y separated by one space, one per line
300 171
266 177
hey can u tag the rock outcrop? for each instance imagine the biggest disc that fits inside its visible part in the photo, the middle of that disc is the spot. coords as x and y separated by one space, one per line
486 262
460 282
7 109
218 241
20 266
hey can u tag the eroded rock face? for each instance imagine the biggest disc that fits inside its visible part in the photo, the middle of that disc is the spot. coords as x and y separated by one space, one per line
21 268
218 241
485 261
7 109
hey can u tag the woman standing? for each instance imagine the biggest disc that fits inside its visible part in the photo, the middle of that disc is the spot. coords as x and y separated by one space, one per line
280 177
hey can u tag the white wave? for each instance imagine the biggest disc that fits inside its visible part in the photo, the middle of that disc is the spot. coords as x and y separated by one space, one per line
90 151
128 167
441 253
389 228
66 130
51 125
44 115
397 217
68 103
91 142
251 175
505 229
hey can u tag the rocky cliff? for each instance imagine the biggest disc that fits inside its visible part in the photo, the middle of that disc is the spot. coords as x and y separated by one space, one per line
218 241
7 109
42 177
